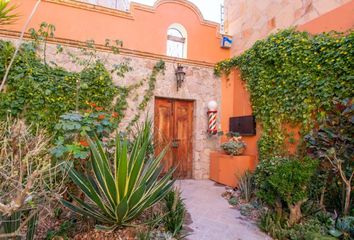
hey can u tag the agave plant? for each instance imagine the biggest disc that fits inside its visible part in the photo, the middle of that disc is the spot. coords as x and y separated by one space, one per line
120 189
6 13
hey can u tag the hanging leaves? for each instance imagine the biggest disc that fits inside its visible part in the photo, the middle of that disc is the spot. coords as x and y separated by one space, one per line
292 78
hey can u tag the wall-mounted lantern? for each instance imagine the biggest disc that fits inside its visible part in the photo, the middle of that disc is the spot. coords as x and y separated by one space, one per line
180 75
212 111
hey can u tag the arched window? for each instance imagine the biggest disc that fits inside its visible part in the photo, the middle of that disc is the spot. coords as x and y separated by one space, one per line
177 41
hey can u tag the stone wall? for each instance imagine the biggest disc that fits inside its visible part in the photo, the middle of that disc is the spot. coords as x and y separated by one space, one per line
250 20
200 85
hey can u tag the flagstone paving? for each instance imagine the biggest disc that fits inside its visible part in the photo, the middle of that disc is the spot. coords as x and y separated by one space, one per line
211 216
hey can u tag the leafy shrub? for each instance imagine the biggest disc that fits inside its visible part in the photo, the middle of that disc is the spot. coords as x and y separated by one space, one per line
333 143
42 93
175 210
292 77
288 181
233 201
246 209
62 232
235 146
343 228
277 227
264 171
272 224
245 185
121 188
27 177
59 91
73 128
154 235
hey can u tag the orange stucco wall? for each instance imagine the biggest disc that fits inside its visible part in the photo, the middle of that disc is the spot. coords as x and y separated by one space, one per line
235 98
340 19
235 102
144 28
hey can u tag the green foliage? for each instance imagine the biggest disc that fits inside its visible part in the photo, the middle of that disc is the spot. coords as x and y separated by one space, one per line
246 185
62 231
282 179
233 201
154 235
292 78
73 128
28 177
332 142
31 227
291 179
264 171
233 148
120 189
343 228
335 133
42 92
276 227
271 224
175 210
7 15
149 92
246 209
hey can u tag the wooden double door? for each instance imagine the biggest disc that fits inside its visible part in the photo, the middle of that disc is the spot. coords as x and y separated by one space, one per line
173 122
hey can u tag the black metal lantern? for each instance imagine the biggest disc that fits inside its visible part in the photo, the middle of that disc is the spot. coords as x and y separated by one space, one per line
180 75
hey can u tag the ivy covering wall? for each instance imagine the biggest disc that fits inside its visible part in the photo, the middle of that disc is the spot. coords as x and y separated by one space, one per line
292 78
41 92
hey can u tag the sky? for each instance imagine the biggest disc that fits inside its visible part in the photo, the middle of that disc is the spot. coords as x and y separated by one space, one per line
209 8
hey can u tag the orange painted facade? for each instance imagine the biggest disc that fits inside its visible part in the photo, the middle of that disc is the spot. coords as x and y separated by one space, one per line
340 19
143 29
235 98
226 169
235 101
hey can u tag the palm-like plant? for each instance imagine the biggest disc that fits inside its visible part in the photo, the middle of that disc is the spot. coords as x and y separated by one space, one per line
119 190
6 13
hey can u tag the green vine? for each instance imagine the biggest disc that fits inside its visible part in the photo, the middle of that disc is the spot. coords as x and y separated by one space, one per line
292 78
41 92
149 92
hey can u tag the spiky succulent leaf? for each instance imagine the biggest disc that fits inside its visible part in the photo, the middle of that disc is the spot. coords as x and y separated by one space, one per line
120 189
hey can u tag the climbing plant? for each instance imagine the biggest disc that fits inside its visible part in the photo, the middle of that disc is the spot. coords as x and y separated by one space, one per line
41 92
149 92
292 78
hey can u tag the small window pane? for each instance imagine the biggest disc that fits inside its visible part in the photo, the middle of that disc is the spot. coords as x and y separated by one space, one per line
174 32
175 49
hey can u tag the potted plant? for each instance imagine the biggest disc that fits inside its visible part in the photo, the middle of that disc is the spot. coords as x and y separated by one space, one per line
235 146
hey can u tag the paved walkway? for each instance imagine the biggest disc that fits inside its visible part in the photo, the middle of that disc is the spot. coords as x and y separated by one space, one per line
212 218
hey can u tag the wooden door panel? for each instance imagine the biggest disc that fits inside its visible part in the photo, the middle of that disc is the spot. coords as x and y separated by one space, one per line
183 132
174 123
163 133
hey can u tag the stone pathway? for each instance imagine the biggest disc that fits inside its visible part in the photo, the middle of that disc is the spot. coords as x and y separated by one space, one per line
211 216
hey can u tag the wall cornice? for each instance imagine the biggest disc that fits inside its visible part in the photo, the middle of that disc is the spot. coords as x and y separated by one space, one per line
123 51
92 8
134 6
189 5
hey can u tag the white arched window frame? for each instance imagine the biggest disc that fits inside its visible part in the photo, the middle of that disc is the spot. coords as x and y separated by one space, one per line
177 41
